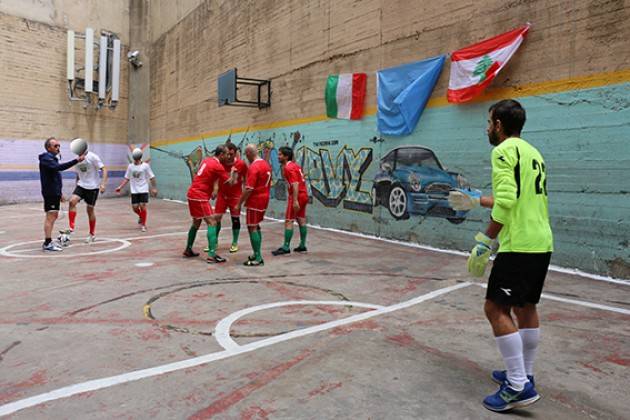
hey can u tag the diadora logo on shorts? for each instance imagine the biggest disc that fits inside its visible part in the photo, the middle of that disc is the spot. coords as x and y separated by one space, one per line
507 291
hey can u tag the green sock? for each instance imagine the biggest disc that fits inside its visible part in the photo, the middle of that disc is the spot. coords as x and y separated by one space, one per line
218 229
235 232
303 236
288 234
212 241
256 240
192 234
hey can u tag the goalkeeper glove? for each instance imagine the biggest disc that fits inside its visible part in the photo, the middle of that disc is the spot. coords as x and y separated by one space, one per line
464 199
479 255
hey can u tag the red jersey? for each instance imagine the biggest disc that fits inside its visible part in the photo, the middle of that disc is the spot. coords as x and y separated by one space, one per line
209 171
293 173
234 190
259 181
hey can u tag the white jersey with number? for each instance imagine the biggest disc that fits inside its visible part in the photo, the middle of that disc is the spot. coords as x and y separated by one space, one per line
87 170
139 176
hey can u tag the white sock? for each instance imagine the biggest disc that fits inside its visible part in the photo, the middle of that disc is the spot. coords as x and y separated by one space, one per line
530 338
511 348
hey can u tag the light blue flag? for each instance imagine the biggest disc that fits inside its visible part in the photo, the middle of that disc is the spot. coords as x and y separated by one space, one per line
403 92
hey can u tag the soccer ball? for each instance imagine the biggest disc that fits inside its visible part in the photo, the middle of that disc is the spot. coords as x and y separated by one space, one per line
78 146
64 239
137 154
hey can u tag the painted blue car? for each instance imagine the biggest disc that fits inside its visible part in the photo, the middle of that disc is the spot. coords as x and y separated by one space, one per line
412 181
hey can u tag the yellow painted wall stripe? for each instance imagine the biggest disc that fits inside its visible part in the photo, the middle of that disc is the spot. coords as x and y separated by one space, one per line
540 88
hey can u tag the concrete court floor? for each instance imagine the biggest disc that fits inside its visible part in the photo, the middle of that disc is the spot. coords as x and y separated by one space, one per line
92 312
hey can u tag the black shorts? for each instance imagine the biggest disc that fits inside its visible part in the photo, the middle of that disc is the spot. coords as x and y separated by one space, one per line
517 278
139 198
51 203
89 196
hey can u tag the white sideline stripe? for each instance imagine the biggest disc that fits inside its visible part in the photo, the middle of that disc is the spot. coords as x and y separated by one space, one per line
110 381
573 271
576 302
222 330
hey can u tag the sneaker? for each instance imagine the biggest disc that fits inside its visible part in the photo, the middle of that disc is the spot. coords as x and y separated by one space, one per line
299 249
281 251
205 250
233 248
500 376
507 398
90 239
215 260
253 263
189 253
51 247
143 228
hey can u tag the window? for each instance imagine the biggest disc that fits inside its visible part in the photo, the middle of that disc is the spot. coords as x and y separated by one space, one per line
415 157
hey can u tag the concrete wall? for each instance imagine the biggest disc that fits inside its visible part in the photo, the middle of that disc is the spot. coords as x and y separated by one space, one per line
165 14
572 75
33 88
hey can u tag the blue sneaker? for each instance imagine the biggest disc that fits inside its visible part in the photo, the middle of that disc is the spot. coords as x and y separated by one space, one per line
500 376
507 398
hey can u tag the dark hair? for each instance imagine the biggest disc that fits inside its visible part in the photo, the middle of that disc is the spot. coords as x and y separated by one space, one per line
511 114
232 146
220 149
287 151
47 142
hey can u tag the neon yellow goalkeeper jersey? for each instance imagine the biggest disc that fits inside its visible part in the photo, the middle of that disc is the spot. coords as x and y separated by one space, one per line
519 187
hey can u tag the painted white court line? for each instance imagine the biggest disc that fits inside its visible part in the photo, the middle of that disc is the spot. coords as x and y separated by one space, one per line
7 253
144 264
159 235
110 381
222 330
575 302
573 271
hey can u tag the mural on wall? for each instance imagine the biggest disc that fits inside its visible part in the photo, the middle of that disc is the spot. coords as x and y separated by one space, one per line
409 180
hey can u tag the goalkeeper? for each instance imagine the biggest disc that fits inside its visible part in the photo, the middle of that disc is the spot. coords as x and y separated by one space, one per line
520 220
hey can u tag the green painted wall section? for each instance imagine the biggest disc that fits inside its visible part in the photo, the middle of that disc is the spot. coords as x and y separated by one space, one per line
584 136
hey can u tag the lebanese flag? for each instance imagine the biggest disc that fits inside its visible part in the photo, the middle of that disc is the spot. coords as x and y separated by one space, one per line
474 67
345 95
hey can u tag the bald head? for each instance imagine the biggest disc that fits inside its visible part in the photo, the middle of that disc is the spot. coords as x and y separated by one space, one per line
251 151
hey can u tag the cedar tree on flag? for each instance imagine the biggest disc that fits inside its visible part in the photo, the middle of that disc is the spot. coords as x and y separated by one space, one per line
474 67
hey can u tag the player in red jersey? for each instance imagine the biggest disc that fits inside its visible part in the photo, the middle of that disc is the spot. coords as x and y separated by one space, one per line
201 190
230 194
256 199
296 202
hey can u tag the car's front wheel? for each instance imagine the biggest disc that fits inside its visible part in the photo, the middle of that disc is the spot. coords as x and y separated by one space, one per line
397 203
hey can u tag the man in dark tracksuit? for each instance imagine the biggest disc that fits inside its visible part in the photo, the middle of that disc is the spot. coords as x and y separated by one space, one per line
50 177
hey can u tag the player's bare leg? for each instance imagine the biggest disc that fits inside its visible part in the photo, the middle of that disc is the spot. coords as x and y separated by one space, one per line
49 222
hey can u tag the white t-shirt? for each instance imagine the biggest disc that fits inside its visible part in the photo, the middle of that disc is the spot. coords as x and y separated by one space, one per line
87 170
139 176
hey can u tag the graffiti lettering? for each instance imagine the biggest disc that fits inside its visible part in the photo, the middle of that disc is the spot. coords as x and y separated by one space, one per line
338 181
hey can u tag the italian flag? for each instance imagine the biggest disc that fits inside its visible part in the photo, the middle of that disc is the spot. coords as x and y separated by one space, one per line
345 95
474 67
